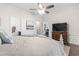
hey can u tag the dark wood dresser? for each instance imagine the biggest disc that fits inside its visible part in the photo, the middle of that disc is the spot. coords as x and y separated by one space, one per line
56 36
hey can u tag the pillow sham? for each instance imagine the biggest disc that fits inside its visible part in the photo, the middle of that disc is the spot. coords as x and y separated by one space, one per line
5 39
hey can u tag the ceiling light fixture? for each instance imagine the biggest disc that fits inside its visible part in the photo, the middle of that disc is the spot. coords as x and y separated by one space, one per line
41 12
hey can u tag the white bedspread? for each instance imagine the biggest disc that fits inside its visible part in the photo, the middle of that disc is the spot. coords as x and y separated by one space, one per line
32 46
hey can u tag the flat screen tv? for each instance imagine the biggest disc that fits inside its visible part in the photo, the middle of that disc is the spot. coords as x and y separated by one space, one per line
59 27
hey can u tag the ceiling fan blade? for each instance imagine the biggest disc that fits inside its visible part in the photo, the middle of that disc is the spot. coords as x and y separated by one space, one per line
51 6
47 12
34 13
33 9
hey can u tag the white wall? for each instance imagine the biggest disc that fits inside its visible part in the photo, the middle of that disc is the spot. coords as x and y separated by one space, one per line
12 13
33 19
69 14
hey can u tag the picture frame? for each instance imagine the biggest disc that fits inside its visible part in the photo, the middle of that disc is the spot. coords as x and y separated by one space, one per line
29 25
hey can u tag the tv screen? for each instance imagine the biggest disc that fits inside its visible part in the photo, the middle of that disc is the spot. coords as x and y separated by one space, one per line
59 27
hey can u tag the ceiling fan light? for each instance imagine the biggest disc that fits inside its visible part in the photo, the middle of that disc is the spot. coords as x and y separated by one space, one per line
41 12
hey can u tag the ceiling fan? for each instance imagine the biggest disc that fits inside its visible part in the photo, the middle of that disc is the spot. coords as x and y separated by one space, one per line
42 9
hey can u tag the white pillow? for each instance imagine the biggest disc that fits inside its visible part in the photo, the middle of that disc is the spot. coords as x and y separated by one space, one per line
7 35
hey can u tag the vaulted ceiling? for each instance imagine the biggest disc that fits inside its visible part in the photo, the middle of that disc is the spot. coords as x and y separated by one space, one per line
58 6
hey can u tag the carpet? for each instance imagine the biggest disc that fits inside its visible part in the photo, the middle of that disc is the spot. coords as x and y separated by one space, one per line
74 50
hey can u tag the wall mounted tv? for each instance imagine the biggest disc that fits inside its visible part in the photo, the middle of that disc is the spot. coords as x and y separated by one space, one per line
59 27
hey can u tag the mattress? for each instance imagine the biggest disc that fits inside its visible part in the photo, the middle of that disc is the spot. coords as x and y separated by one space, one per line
32 46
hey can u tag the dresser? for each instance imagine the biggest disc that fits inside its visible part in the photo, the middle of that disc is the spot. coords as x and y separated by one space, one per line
56 36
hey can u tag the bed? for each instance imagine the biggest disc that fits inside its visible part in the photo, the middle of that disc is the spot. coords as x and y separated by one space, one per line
32 46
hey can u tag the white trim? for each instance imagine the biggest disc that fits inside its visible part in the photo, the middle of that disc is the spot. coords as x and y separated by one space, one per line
74 39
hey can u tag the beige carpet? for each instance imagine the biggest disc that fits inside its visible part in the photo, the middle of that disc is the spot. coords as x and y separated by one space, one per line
74 50
67 49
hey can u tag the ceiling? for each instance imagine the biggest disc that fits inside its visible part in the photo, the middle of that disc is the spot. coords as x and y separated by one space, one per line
58 6
34 5
27 6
